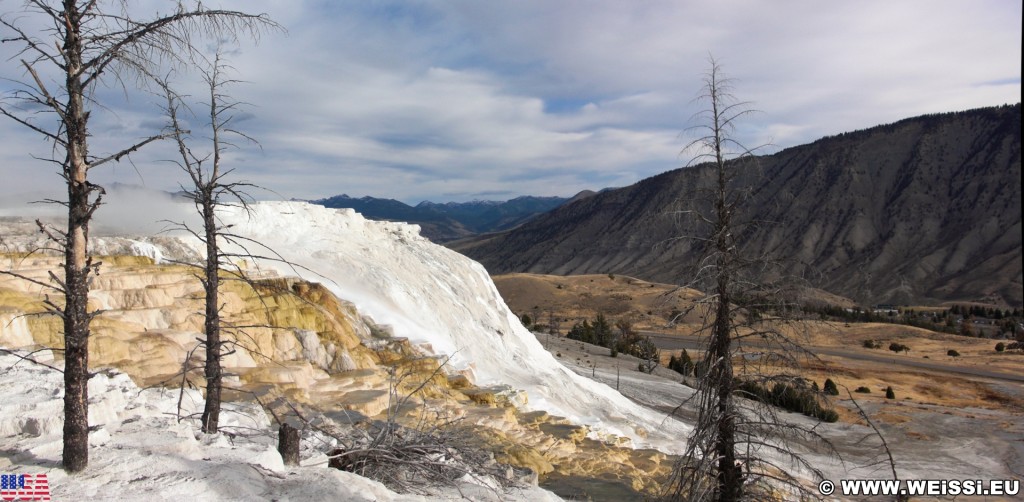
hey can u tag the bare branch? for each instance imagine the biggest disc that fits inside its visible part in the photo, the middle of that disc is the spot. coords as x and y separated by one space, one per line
93 40
131 149
736 424
30 359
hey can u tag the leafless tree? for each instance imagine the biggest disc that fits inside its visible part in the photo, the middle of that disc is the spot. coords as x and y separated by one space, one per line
209 189
88 44
738 447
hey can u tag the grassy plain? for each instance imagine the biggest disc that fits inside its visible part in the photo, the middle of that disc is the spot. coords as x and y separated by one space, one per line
650 306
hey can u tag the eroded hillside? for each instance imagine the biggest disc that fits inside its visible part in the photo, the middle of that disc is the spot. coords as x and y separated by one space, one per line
924 210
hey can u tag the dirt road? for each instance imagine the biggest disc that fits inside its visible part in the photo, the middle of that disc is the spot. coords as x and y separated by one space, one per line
676 342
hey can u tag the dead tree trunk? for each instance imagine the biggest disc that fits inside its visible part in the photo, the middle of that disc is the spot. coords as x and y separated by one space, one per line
209 190
730 484
76 254
211 283
84 42
288 444
726 457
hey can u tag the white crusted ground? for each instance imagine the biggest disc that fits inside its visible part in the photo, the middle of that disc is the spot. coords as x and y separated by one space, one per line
140 451
439 298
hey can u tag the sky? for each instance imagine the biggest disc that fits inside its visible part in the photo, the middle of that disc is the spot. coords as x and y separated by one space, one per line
462 100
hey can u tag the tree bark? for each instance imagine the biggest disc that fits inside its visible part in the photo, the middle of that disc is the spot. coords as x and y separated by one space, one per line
288 444
88 42
730 484
213 373
76 260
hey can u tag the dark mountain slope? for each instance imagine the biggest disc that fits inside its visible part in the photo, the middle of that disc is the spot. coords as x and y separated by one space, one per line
452 220
434 226
489 216
927 209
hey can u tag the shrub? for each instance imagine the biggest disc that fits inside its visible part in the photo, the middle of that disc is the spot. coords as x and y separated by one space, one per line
411 458
682 364
791 397
648 354
966 328
889 394
952 353
1000 347
527 322
863 390
581 332
898 347
672 316
872 344
830 387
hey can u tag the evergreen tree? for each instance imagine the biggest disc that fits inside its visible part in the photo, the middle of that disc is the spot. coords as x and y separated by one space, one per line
682 364
602 331
527 322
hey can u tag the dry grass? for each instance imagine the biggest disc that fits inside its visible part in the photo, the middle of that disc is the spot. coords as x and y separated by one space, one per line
924 344
933 410
649 305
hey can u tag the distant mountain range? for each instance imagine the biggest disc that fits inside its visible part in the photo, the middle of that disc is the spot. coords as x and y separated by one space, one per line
441 222
924 210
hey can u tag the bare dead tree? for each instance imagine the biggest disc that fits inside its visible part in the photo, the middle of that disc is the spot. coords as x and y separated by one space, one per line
88 44
739 445
209 189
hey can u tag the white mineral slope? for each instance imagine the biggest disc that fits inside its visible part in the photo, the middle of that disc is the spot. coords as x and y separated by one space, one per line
444 301
140 451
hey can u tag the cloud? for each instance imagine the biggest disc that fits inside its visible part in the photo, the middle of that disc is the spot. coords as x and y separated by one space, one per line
425 100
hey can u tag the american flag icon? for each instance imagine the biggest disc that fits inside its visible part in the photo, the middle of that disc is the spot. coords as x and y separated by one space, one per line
24 487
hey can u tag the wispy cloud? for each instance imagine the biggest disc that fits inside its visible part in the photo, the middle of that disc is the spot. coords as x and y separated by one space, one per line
465 99
1012 81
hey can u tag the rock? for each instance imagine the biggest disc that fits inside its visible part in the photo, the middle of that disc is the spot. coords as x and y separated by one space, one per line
99 437
525 456
269 459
